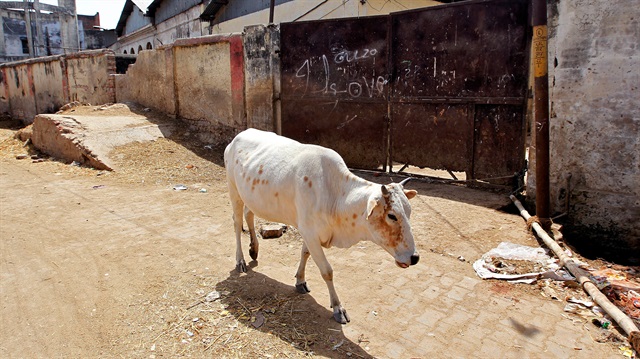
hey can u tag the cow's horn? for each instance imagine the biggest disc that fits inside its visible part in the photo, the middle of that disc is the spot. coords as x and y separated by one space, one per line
404 181
385 191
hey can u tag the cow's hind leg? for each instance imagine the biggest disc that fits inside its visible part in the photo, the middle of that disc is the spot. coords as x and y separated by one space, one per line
254 246
238 206
301 283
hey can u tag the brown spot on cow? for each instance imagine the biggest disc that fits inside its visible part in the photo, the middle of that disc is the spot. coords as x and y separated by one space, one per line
256 181
276 195
310 184
248 179
306 178
260 170
263 181
353 224
355 216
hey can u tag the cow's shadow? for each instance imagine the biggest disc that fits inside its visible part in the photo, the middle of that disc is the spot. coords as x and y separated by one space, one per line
294 318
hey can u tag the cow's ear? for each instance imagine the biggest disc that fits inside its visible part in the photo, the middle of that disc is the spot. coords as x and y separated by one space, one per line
371 205
410 193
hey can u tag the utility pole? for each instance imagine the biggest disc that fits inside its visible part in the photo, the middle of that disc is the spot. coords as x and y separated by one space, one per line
38 43
27 20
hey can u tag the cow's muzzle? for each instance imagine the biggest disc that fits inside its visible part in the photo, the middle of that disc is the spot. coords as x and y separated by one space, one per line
414 260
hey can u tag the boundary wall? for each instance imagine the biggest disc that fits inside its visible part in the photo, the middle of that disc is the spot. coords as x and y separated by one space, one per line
45 84
219 84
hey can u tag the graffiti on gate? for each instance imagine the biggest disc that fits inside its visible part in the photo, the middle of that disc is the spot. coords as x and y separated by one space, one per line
342 72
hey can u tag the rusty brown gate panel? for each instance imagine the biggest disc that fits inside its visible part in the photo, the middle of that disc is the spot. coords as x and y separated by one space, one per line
459 88
335 86
442 87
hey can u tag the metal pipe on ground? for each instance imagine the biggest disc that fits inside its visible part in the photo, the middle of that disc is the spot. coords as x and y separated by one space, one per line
616 314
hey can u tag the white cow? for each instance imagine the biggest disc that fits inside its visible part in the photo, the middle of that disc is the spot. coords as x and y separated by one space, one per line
311 188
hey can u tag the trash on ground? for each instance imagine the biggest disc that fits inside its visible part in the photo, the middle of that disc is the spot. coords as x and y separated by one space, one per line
601 322
621 291
180 187
212 296
258 320
583 302
335 347
519 264
21 157
99 186
550 292
626 351
203 190
578 309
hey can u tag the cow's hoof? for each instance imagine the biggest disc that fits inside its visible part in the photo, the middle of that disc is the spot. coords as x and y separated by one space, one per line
241 267
302 288
253 254
341 316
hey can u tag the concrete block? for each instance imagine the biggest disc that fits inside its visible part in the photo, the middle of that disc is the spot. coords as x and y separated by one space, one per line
272 230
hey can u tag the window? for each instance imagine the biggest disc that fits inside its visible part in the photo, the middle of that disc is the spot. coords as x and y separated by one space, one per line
25 45
149 46
125 52
132 51
139 48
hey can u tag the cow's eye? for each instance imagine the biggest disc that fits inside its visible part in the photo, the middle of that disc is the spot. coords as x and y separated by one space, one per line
392 217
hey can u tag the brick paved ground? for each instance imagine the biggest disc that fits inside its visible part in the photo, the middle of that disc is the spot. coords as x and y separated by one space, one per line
76 261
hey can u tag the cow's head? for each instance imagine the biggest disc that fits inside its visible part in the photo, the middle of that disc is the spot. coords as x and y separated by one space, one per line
388 213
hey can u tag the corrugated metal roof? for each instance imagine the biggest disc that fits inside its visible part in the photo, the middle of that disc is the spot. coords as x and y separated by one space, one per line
143 4
129 5
212 9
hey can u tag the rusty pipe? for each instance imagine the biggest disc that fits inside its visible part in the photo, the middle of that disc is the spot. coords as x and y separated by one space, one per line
271 11
582 277
541 109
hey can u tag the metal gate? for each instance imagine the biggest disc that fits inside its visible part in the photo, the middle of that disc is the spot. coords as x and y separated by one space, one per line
441 87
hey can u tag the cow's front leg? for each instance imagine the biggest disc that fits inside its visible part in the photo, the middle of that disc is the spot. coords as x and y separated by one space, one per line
339 313
301 283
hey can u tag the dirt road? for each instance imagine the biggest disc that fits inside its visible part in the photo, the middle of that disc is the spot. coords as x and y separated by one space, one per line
96 264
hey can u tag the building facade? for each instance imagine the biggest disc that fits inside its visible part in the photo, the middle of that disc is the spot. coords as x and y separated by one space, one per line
30 29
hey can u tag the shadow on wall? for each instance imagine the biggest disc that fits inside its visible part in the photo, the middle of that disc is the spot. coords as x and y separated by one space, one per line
294 318
182 133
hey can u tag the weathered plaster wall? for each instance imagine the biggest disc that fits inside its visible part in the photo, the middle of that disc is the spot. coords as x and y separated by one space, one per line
22 100
89 75
149 82
210 85
262 66
49 79
181 26
45 84
5 108
594 57
199 80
